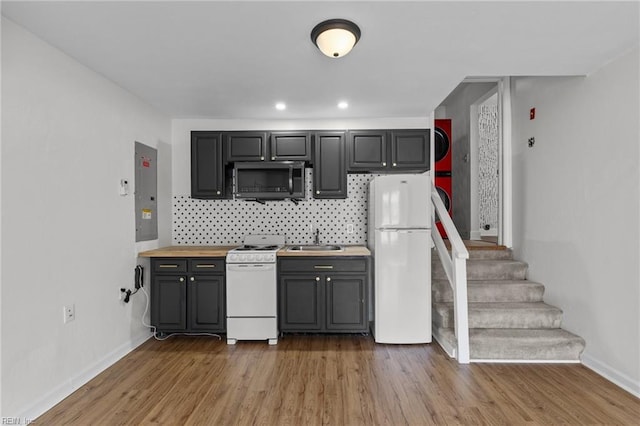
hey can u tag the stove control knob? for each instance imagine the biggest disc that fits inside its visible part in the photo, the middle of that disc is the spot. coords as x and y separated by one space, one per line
233 257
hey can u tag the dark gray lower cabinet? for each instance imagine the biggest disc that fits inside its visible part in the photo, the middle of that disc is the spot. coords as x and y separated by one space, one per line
188 295
323 294
300 303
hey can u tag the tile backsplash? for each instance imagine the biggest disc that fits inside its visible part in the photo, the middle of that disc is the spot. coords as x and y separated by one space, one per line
226 222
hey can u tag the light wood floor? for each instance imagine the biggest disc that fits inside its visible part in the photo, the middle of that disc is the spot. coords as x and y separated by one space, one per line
335 380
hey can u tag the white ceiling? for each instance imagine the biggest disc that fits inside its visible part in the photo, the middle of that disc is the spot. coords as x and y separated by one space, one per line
236 59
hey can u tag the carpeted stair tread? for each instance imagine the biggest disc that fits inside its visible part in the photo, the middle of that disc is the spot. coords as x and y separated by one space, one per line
502 253
521 344
486 270
501 315
491 291
508 319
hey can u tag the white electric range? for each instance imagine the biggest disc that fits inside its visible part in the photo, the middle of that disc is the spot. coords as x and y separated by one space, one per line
252 303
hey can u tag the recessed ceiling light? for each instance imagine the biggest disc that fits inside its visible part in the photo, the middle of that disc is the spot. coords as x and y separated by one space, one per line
343 105
280 106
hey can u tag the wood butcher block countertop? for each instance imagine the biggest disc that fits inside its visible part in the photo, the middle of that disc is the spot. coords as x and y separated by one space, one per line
188 251
221 251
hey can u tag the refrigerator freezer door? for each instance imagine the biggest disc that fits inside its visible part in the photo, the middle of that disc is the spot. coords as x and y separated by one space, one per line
401 201
402 285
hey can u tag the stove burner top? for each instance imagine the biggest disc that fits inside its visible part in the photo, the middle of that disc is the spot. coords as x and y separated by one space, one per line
259 248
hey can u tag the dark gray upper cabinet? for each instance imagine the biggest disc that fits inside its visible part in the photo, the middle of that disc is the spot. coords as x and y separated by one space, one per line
329 165
410 150
245 146
294 146
367 150
388 150
207 165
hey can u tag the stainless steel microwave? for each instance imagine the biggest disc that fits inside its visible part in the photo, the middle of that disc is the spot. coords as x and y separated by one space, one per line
277 180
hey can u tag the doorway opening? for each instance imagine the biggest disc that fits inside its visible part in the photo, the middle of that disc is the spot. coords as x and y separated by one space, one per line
480 115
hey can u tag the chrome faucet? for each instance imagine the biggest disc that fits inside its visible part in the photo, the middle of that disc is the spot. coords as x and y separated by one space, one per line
316 237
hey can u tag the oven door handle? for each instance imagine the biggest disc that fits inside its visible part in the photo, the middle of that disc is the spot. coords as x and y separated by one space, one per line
250 267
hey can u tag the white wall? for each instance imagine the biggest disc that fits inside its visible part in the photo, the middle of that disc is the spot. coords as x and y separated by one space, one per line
181 135
67 236
576 206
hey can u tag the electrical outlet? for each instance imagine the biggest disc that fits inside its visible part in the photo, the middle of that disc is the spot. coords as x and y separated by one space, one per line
69 313
349 228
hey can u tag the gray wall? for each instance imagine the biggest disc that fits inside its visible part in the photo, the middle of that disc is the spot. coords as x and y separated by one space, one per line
456 107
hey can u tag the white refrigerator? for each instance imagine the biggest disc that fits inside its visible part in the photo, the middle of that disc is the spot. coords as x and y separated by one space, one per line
399 237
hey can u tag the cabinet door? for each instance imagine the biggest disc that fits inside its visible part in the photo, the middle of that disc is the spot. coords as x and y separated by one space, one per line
367 150
207 168
294 146
245 146
206 302
410 150
300 302
346 307
329 168
169 302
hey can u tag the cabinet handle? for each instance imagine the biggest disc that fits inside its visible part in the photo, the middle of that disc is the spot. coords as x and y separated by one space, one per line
168 266
192 279
181 279
261 158
328 279
205 266
217 192
317 192
384 163
317 278
273 158
323 267
394 164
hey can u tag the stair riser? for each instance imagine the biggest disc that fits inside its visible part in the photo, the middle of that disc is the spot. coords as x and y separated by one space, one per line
541 345
567 351
494 292
503 318
486 270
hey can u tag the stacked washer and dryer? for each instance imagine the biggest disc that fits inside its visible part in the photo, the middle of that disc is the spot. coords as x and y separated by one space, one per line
442 165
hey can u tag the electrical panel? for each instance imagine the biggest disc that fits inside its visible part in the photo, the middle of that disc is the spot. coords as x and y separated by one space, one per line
146 189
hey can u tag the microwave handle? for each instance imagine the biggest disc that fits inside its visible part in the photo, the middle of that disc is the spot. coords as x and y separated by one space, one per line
291 180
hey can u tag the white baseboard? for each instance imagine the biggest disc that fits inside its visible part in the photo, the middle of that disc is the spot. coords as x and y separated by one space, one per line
65 389
525 361
613 375
474 235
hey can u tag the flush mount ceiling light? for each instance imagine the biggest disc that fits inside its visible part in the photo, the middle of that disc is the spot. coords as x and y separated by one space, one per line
335 37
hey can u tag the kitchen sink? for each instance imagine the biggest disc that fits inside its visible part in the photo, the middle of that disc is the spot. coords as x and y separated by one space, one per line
316 248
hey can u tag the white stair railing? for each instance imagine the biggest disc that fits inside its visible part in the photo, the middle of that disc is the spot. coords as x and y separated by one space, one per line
455 266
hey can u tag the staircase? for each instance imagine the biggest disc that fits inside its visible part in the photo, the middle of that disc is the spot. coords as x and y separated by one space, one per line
508 321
